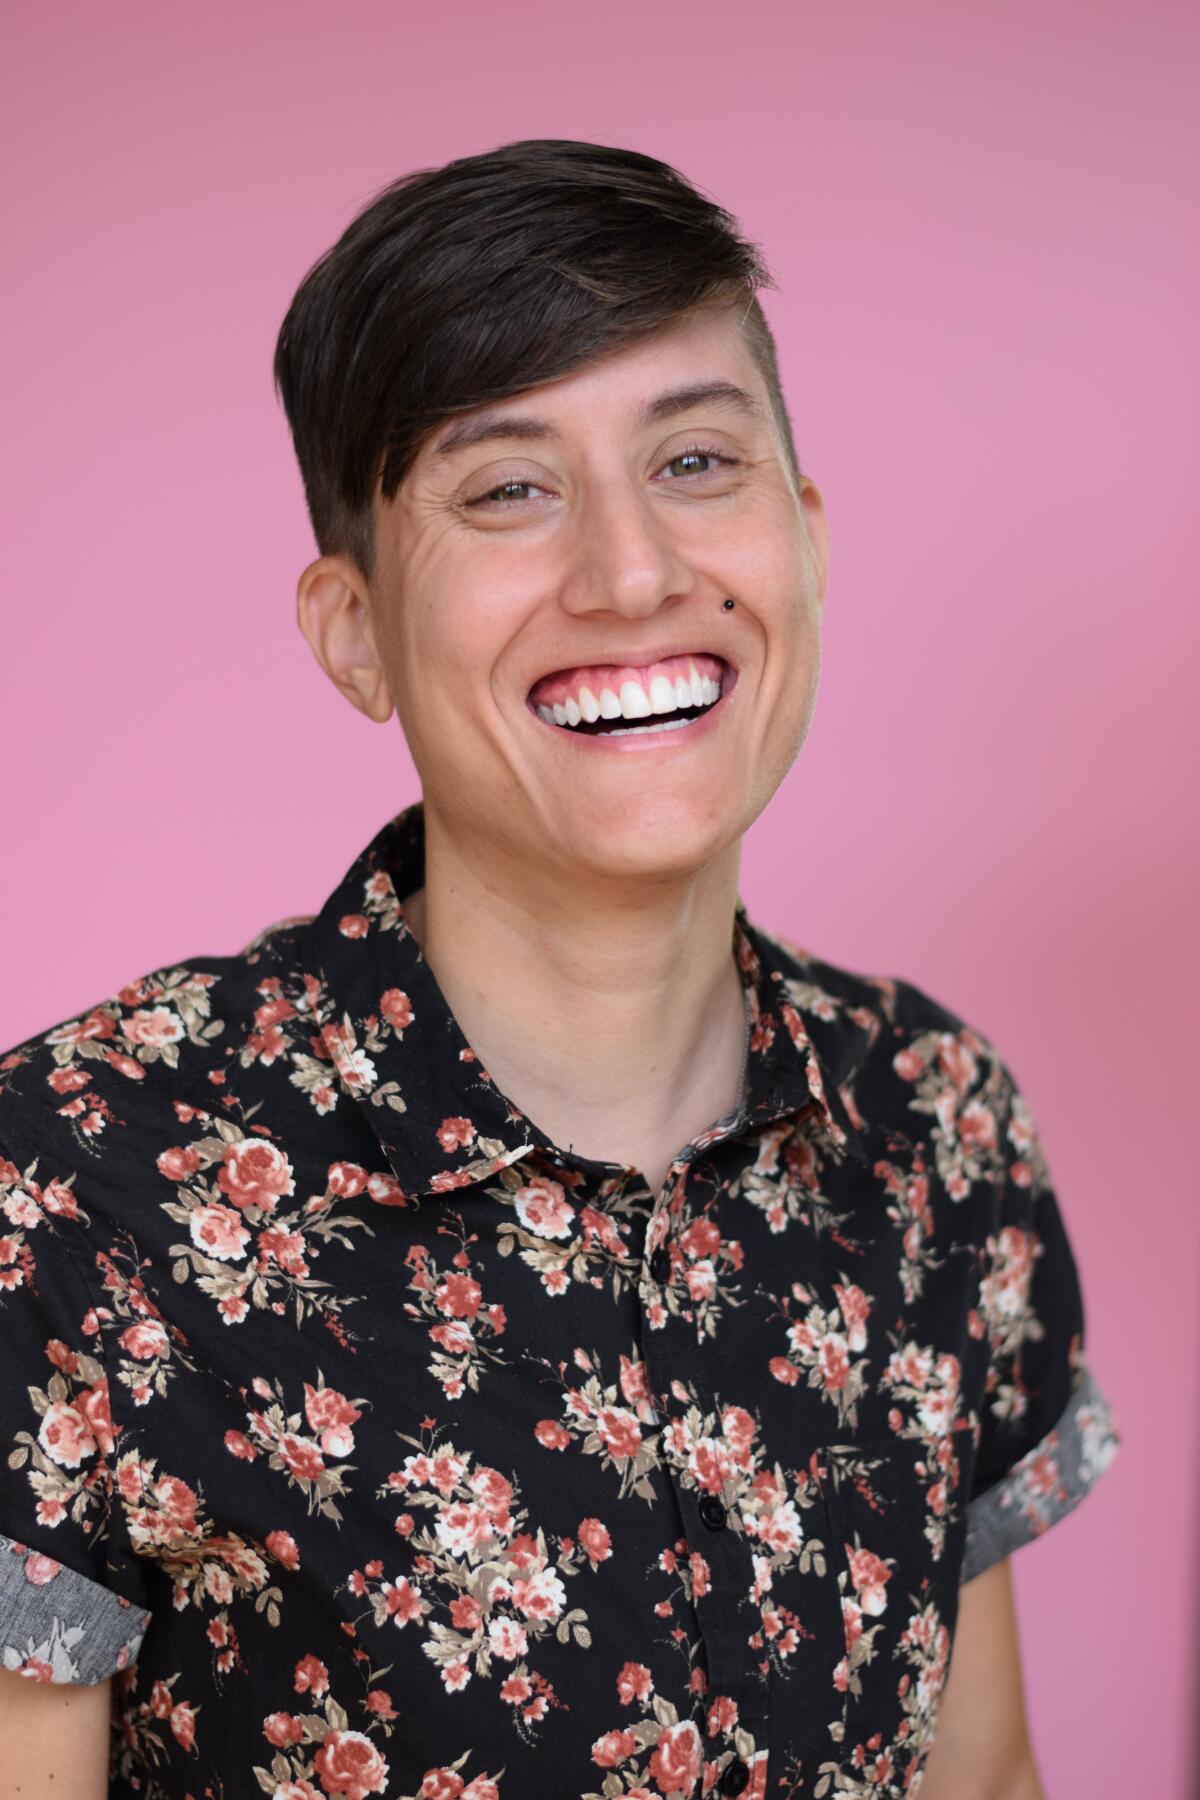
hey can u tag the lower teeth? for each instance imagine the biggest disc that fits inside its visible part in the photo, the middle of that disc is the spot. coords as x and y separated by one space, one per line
629 730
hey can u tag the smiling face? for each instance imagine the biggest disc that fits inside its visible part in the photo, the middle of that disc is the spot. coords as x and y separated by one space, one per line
550 584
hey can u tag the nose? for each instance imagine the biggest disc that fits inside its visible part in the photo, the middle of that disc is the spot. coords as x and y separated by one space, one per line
623 556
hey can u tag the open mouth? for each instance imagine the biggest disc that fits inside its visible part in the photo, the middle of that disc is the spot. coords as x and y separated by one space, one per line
620 700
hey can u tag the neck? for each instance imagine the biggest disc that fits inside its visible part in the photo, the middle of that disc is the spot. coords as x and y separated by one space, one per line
619 1031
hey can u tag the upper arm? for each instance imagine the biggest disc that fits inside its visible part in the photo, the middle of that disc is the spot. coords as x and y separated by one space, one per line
981 1748
72 1588
55 1737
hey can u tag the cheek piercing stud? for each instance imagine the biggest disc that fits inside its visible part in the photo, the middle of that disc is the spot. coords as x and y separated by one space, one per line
728 604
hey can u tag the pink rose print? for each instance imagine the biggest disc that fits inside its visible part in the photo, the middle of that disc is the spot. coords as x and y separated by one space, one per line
350 1767
634 1683
219 1232
676 1763
177 1164
65 1435
282 1729
458 1295
256 1173
347 1180
544 1209
331 1416
614 1748
311 1676
283 1548
144 1340
594 1536
869 1575
182 1721
619 1430
396 1008
155 1028
41 1569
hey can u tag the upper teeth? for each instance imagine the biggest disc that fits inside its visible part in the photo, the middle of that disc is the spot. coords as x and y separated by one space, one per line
635 700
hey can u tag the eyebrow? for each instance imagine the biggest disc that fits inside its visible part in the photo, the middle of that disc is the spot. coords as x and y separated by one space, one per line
489 425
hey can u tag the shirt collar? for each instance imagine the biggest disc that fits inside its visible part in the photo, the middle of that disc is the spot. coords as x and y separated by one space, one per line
400 1054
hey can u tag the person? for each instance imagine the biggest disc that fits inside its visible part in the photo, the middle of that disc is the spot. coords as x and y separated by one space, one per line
528 1328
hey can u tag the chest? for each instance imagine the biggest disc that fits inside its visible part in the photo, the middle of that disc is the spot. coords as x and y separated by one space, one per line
675 1472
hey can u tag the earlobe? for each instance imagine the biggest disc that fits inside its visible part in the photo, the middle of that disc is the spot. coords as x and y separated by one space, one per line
334 616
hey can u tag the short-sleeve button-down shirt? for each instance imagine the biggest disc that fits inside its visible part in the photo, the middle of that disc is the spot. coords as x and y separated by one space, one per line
375 1444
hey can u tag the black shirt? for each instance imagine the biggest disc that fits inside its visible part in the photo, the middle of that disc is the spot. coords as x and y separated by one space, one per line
377 1445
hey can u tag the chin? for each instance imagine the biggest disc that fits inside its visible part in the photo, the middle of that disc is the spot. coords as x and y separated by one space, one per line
663 838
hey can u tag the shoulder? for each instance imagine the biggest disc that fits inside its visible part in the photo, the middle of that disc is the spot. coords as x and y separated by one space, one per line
908 1063
80 1085
892 1014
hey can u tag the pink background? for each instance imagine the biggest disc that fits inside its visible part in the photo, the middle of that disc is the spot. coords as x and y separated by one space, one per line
982 224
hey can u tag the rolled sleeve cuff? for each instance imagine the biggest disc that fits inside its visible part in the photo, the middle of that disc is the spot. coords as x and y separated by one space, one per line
1049 1481
59 1626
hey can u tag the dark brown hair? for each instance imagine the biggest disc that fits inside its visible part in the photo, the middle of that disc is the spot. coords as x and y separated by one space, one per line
463 285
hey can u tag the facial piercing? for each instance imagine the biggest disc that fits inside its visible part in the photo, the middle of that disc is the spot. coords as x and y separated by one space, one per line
728 604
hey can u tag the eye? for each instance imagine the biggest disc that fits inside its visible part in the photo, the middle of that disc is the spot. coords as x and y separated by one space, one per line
508 493
699 453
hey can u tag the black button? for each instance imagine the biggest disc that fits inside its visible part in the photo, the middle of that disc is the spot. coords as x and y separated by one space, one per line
660 1265
713 1514
734 1779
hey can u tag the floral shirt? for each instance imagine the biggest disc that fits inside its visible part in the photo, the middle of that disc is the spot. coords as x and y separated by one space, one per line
374 1444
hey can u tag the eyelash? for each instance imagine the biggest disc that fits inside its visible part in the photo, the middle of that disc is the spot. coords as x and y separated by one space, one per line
691 450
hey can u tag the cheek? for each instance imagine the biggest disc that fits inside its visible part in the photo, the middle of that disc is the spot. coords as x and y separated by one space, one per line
449 634
766 557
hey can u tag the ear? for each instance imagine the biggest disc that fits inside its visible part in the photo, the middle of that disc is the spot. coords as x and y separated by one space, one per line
812 506
333 612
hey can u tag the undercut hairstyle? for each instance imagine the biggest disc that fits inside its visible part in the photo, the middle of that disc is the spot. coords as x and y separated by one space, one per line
463 285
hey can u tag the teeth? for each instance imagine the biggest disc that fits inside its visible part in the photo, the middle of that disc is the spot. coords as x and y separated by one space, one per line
664 725
662 695
633 701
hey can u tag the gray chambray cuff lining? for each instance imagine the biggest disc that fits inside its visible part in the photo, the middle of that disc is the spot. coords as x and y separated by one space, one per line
60 1626
1049 1481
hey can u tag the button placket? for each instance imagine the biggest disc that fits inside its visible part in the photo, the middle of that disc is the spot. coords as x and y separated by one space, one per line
674 1360
712 1512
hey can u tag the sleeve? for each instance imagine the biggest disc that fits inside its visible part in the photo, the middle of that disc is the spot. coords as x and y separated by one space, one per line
1047 1430
72 1600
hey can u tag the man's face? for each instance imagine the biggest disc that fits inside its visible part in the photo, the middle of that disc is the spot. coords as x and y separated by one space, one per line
578 557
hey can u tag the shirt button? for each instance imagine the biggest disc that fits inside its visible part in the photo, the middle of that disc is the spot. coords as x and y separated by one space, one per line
713 1514
734 1779
660 1265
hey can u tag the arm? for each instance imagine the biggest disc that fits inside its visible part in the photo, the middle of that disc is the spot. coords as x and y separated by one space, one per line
981 1748
55 1738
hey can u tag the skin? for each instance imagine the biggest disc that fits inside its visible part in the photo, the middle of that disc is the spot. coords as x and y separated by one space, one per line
55 1738
981 1749
564 885
577 907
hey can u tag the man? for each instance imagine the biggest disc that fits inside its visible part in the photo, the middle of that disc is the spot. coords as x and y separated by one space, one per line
528 1330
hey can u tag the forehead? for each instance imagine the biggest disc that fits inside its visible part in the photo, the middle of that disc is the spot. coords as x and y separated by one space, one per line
702 360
